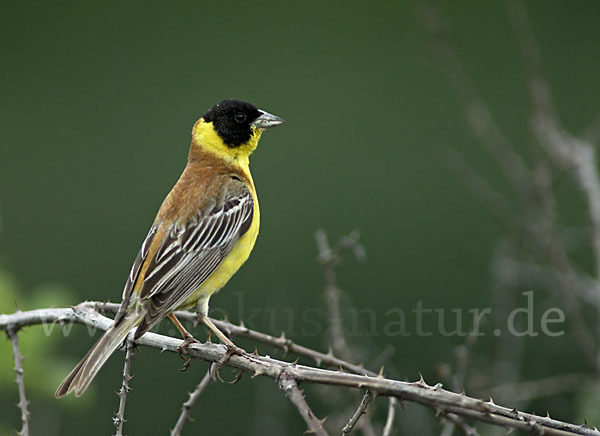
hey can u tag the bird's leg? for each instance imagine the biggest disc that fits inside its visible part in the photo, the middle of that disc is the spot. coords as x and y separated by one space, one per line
187 336
231 347
214 329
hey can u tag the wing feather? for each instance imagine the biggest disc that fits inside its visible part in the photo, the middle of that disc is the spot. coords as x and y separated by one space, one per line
135 271
190 252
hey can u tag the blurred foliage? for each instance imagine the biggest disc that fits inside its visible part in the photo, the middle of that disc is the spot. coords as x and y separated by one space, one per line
44 367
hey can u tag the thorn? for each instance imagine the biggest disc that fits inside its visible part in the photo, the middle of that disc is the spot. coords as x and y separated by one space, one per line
380 372
491 402
438 386
296 361
242 325
282 336
585 424
318 361
255 352
257 373
463 393
330 352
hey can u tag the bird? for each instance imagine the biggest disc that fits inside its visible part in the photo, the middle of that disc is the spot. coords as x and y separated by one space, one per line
203 232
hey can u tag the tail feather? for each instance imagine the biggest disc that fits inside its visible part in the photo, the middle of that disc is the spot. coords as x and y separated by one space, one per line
82 375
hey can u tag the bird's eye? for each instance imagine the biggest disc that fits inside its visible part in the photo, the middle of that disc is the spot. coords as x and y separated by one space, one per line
240 117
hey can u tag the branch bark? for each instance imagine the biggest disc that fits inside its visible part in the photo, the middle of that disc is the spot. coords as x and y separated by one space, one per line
434 397
119 418
389 422
11 332
288 383
282 342
194 396
362 409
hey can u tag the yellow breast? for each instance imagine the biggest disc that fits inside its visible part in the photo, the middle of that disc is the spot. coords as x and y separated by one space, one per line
231 264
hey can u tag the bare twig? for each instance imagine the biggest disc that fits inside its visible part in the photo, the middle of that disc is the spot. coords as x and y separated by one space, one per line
458 380
288 383
389 422
11 331
477 113
329 257
545 387
462 361
533 187
191 401
460 424
480 188
119 419
434 397
362 409
573 154
533 275
570 152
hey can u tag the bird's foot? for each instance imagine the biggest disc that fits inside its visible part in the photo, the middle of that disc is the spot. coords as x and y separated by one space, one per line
231 351
187 341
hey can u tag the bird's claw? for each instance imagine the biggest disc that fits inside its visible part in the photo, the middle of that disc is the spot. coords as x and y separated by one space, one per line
231 350
180 350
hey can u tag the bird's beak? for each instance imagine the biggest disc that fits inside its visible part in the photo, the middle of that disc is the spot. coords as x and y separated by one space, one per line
267 120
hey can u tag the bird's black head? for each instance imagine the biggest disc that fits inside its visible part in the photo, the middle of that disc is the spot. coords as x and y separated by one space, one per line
231 120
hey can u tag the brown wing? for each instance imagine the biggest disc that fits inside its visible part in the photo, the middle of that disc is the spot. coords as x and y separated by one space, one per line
135 272
191 251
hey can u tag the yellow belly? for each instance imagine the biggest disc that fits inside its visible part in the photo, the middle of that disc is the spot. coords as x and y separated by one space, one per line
229 266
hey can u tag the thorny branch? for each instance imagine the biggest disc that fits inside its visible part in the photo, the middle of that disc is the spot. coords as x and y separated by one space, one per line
11 332
287 345
194 396
458 383
535 248
288 383
389 422
119 418
460 424
362 409
434 397
329 257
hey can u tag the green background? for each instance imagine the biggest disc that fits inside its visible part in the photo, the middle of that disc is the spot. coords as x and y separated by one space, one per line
98 101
